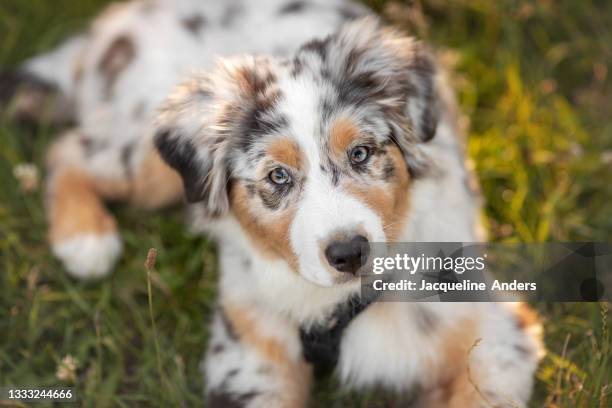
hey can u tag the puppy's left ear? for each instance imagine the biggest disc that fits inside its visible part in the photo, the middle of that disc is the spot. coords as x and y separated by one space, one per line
391 69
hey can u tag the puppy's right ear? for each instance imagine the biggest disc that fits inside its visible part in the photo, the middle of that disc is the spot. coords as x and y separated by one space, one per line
206 117
187 139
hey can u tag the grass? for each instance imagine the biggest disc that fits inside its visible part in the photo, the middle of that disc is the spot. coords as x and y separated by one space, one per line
531 76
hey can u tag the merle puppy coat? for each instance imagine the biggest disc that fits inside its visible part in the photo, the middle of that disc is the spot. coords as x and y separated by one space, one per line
332 132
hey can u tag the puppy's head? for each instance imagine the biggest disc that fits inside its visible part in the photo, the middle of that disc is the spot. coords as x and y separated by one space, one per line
313 155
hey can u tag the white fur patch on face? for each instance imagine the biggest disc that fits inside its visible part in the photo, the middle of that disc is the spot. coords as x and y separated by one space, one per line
89 256
323 212
323 209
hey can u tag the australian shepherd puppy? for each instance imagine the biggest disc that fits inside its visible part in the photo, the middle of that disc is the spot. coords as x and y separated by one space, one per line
333 132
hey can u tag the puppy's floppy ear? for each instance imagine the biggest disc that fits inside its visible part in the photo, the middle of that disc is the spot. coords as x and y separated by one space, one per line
391 69
186 140
203 120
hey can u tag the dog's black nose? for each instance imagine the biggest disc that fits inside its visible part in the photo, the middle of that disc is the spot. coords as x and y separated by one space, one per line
347 256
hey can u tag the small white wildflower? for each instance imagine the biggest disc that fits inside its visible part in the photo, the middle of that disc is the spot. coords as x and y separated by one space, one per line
27 175
66 369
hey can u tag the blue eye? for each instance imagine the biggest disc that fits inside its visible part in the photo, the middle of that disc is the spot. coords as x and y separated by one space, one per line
279 176
359 154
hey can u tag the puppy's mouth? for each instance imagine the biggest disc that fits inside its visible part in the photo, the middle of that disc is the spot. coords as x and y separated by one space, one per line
340 279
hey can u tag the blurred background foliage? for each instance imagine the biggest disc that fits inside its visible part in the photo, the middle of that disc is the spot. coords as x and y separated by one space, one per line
532 77
533 82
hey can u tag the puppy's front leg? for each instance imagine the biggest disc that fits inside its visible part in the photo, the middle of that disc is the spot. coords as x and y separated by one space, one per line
83 173
82 232
254 360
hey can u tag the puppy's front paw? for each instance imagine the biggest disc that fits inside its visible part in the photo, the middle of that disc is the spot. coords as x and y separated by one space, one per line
89 256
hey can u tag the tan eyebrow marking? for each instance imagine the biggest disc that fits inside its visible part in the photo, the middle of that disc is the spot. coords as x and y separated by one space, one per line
343 132
286 151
